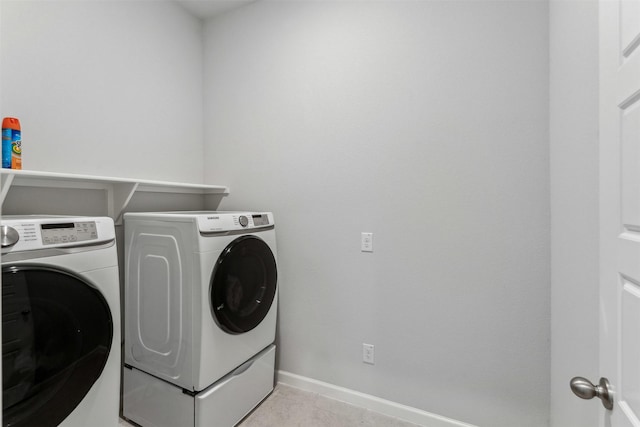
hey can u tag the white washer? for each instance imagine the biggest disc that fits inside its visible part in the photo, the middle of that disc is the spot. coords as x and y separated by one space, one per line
200 316
60 321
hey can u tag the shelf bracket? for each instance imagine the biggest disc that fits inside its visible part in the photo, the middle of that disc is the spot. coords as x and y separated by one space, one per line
118 197
6 181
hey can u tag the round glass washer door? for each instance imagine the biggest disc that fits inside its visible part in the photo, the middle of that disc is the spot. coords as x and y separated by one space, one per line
56 337
243 284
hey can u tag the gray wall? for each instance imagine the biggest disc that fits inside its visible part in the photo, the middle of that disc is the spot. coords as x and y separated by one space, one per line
574 207
105 87
425 123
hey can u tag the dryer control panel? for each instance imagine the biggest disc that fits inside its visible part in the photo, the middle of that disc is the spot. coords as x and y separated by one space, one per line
217 222
31 233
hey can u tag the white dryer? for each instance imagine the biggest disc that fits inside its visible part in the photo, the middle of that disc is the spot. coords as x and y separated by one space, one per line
60 322
200 316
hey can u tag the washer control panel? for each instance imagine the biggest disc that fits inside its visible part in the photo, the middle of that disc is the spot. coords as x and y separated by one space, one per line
30 233
68 232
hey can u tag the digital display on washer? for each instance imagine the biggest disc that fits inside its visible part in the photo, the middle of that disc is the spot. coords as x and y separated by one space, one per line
260 220
68 232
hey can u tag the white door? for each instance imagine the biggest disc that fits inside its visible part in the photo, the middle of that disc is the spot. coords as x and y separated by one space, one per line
620 208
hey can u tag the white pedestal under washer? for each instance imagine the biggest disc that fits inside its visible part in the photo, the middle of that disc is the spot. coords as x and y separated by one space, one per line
61 321
200 315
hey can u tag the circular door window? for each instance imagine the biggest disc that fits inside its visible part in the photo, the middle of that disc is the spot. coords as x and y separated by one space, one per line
56 337
243 285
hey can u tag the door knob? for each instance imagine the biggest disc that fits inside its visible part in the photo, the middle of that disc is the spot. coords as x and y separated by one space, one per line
584 389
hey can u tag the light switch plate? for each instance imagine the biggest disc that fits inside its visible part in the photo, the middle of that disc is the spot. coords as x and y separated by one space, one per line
368 353
366 243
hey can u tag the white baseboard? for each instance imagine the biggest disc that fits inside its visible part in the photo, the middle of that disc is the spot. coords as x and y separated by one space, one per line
382 406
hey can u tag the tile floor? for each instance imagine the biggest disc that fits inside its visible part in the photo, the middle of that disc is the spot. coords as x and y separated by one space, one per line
291 407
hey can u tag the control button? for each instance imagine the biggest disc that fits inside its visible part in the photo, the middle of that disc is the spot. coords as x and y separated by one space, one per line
244 221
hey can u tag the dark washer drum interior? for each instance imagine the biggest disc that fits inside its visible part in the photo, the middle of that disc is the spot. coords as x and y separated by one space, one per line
56 337
243 285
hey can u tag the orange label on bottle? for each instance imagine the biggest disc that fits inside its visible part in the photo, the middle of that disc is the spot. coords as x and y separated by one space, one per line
16 163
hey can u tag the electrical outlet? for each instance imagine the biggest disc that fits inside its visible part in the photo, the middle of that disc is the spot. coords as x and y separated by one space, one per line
366 242
367 353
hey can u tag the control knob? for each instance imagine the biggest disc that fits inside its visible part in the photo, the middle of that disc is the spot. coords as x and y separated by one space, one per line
8 236
244 221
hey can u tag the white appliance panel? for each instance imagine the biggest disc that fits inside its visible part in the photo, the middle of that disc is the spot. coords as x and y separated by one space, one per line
158 302
234 396
152 402
96 263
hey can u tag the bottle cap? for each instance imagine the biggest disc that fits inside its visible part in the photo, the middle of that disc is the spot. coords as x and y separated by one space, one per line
11 123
